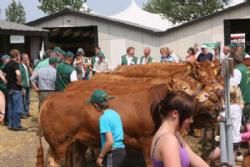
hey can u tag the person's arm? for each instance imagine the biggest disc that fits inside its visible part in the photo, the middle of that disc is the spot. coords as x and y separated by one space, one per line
73 76
2 77
18 77
195 160
108 145
34 79
169 149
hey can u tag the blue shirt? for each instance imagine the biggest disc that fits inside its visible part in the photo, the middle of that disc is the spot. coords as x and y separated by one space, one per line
168 58
110 121
203 57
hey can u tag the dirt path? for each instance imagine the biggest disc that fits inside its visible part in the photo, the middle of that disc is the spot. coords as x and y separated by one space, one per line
18 149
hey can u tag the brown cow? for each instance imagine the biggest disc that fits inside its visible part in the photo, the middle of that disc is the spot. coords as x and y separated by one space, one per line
65 118
64 123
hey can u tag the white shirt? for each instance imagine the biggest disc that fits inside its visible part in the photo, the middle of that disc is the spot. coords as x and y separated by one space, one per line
73 76
101 66
236 78
129 60
176 58
236 116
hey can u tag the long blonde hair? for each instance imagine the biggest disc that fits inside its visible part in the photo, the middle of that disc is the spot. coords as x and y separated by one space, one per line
235 95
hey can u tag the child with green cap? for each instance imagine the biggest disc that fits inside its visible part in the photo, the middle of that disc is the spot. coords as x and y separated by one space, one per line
113 151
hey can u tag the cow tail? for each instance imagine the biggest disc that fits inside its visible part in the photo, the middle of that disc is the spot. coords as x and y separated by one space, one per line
40 154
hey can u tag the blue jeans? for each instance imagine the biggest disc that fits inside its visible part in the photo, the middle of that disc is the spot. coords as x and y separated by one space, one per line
26 101
15 108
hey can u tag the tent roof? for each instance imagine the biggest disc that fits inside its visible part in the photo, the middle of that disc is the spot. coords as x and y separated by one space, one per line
135 14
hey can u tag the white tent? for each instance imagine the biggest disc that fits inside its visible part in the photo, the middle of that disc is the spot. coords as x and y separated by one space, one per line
136 15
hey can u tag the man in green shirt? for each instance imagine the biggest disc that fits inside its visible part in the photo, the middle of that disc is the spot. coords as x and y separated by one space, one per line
146 59
129 58
26 72
236 54
65 72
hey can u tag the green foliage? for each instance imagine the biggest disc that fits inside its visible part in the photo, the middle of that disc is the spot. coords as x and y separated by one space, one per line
15 13
179 11
52 6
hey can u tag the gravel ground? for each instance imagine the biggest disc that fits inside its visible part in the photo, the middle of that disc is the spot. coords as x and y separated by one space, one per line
18 149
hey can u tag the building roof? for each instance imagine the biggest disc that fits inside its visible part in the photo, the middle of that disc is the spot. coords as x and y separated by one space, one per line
92 16
136 15
126 19
6 26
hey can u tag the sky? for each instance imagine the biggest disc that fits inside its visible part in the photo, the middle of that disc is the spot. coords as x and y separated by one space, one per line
103 7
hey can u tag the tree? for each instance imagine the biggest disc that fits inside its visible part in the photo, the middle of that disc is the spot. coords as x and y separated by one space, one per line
52 6
15 13
179 11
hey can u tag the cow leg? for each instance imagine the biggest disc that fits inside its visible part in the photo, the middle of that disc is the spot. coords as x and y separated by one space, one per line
76 155
146 152
50 160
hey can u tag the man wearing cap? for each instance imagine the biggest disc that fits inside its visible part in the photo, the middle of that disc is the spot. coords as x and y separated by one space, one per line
45 61
204 55
101 65
44 80
113 151
146 59
65 72
129 58
243 77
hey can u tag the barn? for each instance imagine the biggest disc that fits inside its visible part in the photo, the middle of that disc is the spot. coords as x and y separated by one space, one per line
71 29
25 38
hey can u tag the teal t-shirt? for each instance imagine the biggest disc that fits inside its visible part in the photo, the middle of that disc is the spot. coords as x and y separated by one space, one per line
110 121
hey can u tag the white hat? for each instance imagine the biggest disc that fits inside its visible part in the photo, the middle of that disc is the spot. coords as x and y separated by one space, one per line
204 46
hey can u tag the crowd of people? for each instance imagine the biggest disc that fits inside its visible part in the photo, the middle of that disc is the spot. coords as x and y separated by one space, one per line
59 68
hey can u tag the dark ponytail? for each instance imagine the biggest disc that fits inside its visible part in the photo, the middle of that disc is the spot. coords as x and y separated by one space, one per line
180 101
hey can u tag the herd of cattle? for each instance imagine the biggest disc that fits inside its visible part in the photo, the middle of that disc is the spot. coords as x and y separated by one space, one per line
70 125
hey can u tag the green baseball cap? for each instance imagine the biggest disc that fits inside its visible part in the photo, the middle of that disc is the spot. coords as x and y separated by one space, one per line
54 60
99 96
69 54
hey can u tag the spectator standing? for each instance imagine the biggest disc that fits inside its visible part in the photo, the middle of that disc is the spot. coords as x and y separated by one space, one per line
176 58
165 56
217 54
146 59
14 88
244 80
204 55
79 65
44 80
101 65
3 99
129 58
225 53
113 151
191 55
45 61
4 60
26 72
65 72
